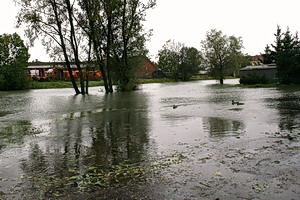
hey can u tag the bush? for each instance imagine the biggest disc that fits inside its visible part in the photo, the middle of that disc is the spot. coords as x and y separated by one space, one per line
253 79
14 78
13 63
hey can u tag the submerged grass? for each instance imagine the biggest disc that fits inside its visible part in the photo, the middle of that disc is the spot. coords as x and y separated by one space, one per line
93 178
15 133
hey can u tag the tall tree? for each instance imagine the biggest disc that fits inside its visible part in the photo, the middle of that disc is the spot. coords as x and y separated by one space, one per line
285 52
221 53
190 60
13 63
116 29
268 55
74 39
53 22
179 61
287 57
169 58
93 22
132 38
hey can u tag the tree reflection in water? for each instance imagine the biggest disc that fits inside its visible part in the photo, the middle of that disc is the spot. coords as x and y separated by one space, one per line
289 110
219 127
115 135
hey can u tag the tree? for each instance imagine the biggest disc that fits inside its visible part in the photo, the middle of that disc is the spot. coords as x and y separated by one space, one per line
179 61
286 54
268 56
13 63
190 60
131 39
222 54
113 28
168 58
54 22
99 19
116 29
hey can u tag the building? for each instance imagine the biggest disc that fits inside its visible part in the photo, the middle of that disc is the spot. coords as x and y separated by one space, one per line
145 67
258 74
58 71
257 60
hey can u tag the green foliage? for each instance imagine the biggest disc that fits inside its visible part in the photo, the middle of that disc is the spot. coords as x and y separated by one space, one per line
190 60
113 30
117 32
253 79
222 54
285 53
268 56
178 61
124 75
13 63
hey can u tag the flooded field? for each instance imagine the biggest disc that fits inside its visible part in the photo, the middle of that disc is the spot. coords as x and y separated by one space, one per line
164 141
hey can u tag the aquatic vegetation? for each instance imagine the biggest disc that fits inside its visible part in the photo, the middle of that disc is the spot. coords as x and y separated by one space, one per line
15 133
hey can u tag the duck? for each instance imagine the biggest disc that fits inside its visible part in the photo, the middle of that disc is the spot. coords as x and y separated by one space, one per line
175 106
237 103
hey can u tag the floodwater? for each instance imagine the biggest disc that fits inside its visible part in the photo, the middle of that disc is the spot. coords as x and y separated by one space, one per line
203 148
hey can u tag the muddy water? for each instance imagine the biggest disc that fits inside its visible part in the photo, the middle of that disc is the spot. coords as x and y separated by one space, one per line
213 149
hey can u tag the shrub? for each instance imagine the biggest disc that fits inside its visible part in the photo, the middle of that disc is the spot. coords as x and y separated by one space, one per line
253 79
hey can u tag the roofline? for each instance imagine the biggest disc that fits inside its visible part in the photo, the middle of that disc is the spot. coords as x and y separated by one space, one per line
259 67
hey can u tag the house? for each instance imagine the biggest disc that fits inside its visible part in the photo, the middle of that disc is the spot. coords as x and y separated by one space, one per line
258 74
145 67
57 70
257 60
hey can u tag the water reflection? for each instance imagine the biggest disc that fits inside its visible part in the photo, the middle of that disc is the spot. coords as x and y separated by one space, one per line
14 133
120 132
117 134
219 127
289 109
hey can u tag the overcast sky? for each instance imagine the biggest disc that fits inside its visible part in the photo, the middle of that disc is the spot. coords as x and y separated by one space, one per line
187 21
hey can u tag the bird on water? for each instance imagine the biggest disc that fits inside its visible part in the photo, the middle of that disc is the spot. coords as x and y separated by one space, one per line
237 103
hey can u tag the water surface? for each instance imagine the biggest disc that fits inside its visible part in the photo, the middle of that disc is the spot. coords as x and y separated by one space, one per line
49 134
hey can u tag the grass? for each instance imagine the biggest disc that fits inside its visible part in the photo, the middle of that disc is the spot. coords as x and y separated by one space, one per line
60 84
166 80
159 80
269 85
68 84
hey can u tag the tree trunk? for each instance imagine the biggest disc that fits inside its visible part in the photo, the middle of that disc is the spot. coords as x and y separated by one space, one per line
63 46
221 81
108 57
125 43
221 75
74 46
95 41
88 67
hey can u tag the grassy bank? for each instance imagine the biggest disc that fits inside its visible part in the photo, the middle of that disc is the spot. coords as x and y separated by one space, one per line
269 85
60 84
68 84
